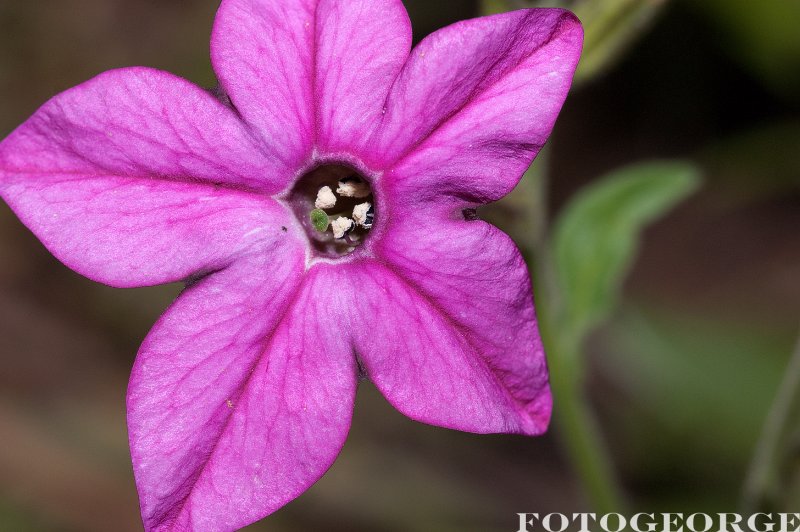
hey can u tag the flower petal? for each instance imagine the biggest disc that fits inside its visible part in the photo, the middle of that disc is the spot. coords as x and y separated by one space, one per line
450 338
474 287
128 232
476 101
119 180
362 45
140 122
310 72
240 399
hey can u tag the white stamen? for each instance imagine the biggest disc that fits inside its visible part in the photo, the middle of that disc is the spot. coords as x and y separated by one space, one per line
360 212
353 189
325 198
341 226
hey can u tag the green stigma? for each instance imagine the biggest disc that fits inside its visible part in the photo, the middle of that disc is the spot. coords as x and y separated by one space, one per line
320 220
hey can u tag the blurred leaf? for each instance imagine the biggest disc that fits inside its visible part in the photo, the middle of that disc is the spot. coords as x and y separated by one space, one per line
763 35
17 519
772 479
756 164
695 393
610 28
493 7
596 237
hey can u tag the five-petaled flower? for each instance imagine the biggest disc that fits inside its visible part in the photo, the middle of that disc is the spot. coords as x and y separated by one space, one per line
241 395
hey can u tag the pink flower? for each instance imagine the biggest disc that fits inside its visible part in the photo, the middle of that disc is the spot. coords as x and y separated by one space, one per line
241 395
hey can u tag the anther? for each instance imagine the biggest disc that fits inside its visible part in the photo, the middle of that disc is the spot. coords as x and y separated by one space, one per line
341 226
326 199
364 214
353 187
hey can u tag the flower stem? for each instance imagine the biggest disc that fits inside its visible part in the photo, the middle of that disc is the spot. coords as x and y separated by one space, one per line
574 419
762 485
580 432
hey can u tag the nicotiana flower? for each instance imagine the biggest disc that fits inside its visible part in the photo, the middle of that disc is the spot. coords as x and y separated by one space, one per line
320 207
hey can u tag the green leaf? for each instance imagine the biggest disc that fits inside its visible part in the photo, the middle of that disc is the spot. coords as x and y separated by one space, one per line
595 239
756 164
676 369
493 7
611 26
320 220
761 35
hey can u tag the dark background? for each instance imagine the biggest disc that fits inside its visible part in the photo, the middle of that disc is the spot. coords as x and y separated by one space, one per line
681 377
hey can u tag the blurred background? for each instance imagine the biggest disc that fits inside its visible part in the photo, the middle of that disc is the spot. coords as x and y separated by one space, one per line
679 361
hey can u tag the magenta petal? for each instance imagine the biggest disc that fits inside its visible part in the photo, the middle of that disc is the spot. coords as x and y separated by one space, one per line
452 338
139 122
361 47
120 181
310 73
262 52
477 100
128 232
241 397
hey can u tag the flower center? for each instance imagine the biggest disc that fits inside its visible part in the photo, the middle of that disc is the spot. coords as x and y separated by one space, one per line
336 206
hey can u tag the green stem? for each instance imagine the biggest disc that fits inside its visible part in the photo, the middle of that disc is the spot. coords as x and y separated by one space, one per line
762 485
581 436
577 425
